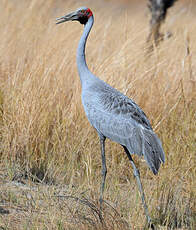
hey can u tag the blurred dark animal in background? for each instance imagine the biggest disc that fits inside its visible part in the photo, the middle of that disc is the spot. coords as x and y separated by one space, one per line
158 10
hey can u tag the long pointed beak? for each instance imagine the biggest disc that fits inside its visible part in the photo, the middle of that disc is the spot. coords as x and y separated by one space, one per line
69 17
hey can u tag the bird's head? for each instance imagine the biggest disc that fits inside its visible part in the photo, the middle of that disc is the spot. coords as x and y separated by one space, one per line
82 15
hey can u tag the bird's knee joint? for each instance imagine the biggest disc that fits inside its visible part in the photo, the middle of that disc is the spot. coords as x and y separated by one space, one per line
136 172
104 171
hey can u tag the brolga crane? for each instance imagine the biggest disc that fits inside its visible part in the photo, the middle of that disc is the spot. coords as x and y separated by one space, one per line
113 114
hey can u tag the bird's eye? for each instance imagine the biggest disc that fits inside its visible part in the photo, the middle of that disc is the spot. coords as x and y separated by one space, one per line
82 11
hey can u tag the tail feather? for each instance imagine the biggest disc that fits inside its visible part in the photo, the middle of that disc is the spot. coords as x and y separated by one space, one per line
152 150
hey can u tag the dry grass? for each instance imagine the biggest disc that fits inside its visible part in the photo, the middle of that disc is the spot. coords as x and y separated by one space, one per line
50 157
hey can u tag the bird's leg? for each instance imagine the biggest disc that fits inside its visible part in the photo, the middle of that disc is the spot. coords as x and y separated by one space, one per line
137 176
104 169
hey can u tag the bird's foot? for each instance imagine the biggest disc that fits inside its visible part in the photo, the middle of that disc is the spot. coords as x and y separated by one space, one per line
150 224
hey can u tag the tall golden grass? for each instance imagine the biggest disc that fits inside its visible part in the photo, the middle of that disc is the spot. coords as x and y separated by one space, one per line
45 136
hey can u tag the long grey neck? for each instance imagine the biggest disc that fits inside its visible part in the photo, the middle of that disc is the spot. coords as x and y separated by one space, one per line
81 60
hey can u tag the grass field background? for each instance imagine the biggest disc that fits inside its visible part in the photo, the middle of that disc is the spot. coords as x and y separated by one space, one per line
50 161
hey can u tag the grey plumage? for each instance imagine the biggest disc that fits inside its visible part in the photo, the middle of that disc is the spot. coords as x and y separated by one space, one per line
120 119
113 114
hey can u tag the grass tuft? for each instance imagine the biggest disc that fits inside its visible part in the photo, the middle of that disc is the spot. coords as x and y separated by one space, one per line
176 209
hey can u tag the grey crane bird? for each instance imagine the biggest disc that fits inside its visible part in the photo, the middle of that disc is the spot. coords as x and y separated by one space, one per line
113 114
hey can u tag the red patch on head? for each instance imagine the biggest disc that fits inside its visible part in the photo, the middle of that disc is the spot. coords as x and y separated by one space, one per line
90 13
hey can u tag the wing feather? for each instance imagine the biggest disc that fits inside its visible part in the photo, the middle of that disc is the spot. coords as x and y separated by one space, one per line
118 118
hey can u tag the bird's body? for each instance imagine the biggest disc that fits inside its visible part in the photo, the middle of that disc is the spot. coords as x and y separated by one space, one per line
118 118
113 114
